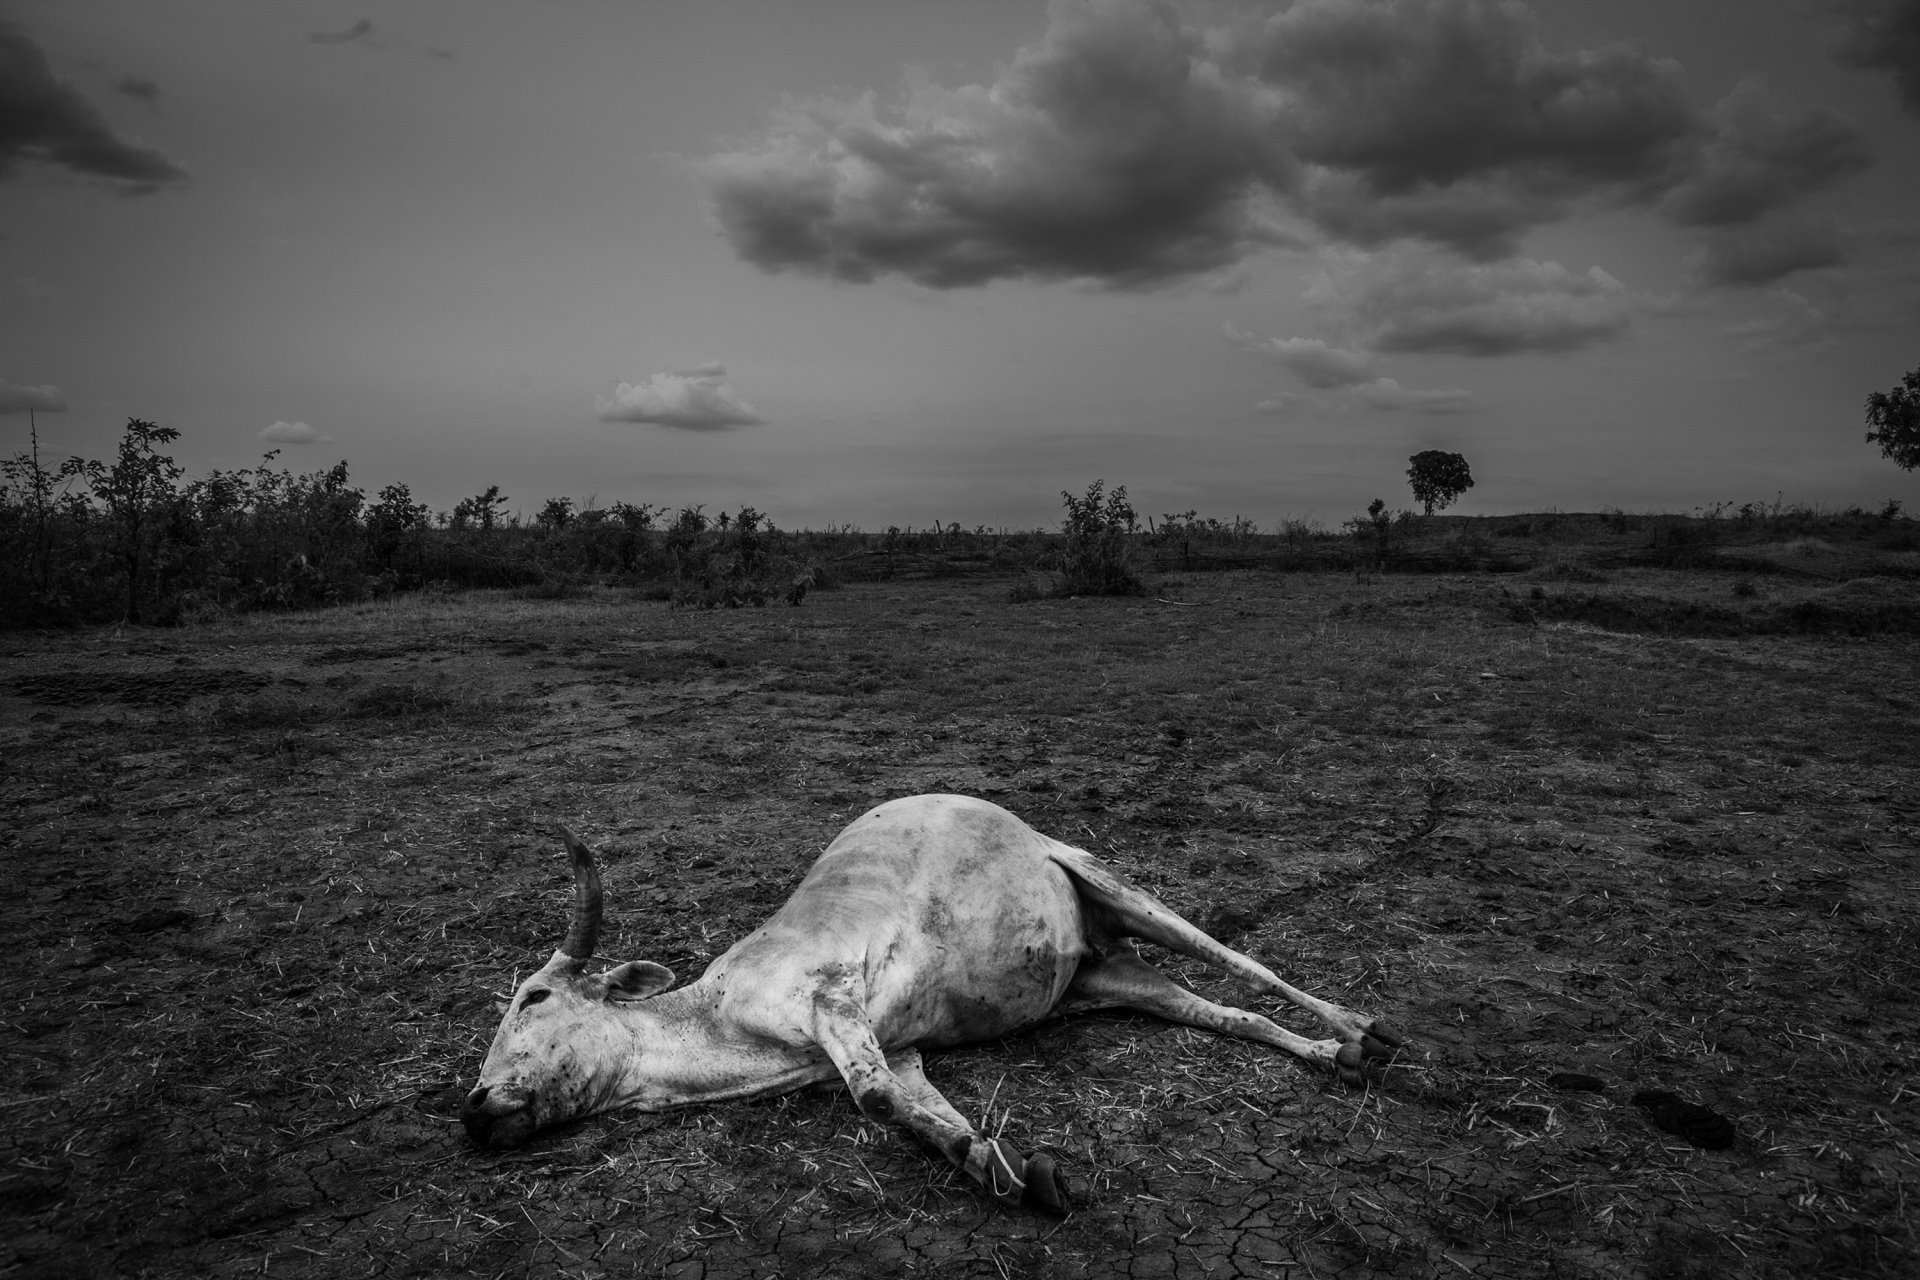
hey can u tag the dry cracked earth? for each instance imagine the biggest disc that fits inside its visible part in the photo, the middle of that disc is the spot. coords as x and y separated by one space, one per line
269 879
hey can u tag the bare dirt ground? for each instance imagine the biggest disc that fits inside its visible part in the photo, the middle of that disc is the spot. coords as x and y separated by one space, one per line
267 880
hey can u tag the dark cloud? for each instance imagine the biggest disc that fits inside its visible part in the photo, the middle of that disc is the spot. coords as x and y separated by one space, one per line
1414 93
1883 35
1406 303
358 31
43 119
1479 219
1763 253
1447 120
1758 158
1132 149
361 34
137 87
1111 149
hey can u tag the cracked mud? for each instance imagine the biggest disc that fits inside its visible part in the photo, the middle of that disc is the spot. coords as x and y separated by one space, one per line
268 880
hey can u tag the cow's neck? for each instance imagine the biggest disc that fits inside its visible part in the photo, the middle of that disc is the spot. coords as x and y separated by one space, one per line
678 1054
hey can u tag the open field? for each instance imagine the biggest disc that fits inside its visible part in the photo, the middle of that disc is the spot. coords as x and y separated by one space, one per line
271 874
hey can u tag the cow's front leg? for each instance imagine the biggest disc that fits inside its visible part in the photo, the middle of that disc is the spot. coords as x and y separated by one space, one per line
1033 1180
896 1092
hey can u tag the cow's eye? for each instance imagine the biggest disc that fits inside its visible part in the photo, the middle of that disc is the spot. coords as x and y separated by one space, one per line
534 997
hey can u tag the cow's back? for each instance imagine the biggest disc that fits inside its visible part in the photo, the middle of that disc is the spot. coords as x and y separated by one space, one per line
961 926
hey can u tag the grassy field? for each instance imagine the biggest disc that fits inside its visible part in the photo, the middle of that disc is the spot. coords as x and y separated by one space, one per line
1657 827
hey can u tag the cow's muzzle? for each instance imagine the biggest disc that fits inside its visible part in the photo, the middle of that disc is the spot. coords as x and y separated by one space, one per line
498 1117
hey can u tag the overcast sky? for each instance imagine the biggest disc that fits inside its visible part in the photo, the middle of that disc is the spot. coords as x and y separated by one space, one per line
898 261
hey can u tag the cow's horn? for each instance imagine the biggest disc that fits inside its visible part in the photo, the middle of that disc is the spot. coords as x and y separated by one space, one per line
584 931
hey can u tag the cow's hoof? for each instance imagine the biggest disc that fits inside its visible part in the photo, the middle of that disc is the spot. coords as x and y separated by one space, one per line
1046 1189
1382 1038
1350 1061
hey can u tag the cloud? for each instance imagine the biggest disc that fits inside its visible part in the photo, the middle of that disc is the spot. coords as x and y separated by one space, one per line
1794 320
1760 255
137 87
1759 158
1309 359
1329 368
15 398
695 399
1883 35
290 433
1128 148
1112 150
1385 393
1449 121
361 34
1409 302
357 32
44 119
1285 402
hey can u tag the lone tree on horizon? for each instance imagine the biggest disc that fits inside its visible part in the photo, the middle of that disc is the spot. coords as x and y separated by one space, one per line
1895 419
1438 477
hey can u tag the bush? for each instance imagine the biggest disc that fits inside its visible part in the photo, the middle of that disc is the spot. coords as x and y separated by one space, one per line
1100 555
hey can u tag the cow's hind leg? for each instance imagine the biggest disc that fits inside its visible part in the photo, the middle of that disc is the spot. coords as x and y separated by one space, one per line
1121 979
896 1092
1122 910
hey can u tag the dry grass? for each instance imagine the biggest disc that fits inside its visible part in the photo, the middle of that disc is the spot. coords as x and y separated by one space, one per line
276 871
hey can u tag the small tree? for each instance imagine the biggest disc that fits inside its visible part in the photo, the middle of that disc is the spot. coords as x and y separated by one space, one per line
1438 478
1099 551
1375 527
395 522
1895 419
480 511
135 491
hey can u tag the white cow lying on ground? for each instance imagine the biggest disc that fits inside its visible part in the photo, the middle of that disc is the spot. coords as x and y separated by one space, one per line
930 921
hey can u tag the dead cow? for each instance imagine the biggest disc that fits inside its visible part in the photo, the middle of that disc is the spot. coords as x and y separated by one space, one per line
930 921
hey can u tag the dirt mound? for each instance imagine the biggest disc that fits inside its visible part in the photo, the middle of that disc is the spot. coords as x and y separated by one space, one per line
138 688
1864 606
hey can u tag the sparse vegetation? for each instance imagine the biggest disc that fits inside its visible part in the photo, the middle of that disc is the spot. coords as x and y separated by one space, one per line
1100 558
86 543
274 868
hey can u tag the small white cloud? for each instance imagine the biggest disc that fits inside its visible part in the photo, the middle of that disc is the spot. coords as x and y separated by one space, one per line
696 399
1385 393
1311 360
1285 402
15 398
290 433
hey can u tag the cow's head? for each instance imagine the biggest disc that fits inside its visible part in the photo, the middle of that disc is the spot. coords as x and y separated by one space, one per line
561 1046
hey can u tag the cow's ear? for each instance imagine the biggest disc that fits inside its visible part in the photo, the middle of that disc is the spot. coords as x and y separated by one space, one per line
636 980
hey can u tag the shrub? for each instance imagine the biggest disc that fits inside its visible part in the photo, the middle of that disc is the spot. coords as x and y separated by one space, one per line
1100 556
